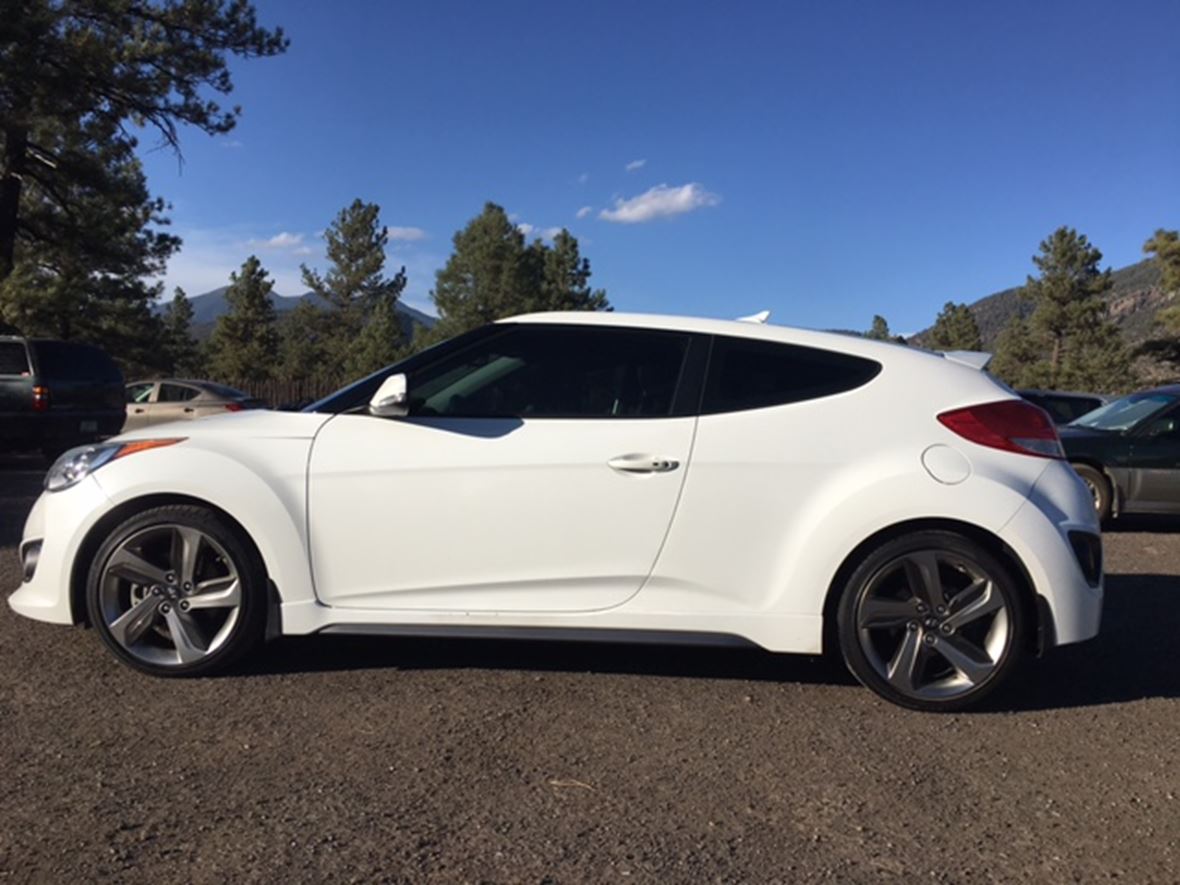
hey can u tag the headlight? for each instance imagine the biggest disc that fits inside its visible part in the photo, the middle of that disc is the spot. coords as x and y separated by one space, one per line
76 464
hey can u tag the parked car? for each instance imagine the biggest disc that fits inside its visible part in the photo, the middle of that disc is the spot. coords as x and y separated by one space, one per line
155 402
596 475
1128 453
56 394
1062 406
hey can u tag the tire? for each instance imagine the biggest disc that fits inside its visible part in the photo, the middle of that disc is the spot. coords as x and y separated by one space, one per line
1099 487
177 591
931 621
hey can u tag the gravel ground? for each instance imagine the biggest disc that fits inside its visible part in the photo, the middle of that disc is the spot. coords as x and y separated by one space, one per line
338 759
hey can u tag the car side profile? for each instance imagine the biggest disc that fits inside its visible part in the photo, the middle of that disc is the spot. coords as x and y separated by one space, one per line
1128 453
596 476
180 399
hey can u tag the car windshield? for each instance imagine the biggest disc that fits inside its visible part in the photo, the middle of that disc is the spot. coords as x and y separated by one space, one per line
1125 413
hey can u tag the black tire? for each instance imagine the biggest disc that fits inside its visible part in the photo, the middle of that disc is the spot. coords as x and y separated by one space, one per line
880 592
1099 487
226 545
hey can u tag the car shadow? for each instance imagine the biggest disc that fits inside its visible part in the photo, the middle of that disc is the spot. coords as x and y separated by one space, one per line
1131 659
20 484
1145 523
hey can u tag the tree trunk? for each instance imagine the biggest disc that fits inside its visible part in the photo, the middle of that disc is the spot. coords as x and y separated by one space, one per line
16 144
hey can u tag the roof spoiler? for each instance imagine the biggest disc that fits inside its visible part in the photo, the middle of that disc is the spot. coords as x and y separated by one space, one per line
973 358
760 318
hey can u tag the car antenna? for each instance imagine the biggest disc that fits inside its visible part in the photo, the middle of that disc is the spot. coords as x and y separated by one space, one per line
760 318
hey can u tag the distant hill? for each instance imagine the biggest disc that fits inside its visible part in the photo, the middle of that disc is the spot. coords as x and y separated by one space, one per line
208 306
1134 300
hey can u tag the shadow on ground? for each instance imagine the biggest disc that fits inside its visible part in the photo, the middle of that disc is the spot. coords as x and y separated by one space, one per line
1131 659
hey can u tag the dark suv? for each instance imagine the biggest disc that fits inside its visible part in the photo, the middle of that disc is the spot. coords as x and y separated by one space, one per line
56 394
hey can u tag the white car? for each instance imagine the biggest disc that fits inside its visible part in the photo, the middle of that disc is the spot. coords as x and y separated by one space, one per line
596 475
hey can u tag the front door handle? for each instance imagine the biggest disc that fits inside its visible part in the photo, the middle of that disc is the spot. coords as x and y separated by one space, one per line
642 464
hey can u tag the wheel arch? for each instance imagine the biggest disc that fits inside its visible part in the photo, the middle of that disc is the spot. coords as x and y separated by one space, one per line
123 511
1036 613
1116 491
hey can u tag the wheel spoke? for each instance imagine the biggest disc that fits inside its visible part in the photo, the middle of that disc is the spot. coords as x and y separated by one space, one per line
131 566
877 613
972 663
217 593
977 601
186 636
186 547
903 669
130 626
921 571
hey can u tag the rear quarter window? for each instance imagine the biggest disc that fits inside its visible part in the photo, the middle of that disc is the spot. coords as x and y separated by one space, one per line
72 361
748 374
14 359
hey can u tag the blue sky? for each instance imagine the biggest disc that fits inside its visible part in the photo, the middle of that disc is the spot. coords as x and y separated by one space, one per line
827 161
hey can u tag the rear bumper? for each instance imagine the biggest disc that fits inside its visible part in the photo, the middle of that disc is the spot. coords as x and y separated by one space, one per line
1039 534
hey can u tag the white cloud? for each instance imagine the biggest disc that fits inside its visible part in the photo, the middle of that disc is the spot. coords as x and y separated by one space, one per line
545 233
282 240
407 234
303 250
583 212
660 201
525 228
635 165
232 144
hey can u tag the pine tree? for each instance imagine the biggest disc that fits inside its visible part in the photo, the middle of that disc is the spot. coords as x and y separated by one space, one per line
304 333
183 351
879 331
103 69
565 277
379 343
955 329
355 283
1020 356
245 343
1165 247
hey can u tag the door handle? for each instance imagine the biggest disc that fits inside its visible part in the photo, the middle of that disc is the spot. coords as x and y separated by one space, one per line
642 464
138 411
189 409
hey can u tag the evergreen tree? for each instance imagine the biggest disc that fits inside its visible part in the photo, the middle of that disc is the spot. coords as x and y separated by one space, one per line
1020 357
955 329
87 70
245 343
355 284
304 335
1165 246
378 345
183 351
492 274
879 331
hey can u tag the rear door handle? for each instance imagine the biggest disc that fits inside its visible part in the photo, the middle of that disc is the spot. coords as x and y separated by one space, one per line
636 463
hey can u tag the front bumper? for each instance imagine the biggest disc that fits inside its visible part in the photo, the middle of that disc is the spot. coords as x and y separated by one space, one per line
60 521
1039 534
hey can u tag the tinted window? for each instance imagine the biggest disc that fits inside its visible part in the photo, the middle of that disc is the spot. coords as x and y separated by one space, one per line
139 393
176 393
554 372
748 374
14 359
1125 413
68 360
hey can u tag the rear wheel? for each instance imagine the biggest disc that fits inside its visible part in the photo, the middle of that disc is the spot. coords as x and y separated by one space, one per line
176 591
1099 487
931 621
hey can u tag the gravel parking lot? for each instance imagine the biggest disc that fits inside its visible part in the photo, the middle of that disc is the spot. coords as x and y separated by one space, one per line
341 759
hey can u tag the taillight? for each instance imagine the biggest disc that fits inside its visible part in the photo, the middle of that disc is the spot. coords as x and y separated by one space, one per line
40 399
233 407
1012 425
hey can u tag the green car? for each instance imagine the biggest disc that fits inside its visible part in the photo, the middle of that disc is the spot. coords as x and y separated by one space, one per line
1128 452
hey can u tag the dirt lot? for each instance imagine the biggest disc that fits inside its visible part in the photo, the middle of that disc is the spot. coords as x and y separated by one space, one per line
338 759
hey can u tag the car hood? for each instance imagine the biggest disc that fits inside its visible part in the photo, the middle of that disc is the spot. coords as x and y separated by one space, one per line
250 424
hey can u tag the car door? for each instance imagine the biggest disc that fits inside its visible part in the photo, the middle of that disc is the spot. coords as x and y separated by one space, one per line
1155 461
139 403
538 470
174 403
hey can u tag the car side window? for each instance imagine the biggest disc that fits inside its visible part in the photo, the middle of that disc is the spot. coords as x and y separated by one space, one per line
176 393
139 393
749 374
14 359
540 371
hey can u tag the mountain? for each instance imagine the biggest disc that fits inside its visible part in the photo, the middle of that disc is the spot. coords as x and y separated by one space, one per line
1134 300
208 306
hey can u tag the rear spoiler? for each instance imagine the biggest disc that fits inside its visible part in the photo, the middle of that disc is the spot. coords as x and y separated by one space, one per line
973 358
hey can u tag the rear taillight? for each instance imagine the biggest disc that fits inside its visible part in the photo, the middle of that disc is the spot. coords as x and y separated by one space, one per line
40 399
1012 425
233 407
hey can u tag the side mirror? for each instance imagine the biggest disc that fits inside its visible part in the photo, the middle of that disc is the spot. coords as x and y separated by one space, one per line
391 399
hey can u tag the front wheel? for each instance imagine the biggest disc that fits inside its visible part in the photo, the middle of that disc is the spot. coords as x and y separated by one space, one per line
931 621
176 591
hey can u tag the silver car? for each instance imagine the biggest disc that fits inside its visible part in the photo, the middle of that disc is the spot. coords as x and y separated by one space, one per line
154 402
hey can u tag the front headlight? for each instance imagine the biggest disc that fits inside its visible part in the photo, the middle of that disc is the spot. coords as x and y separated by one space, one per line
77 464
